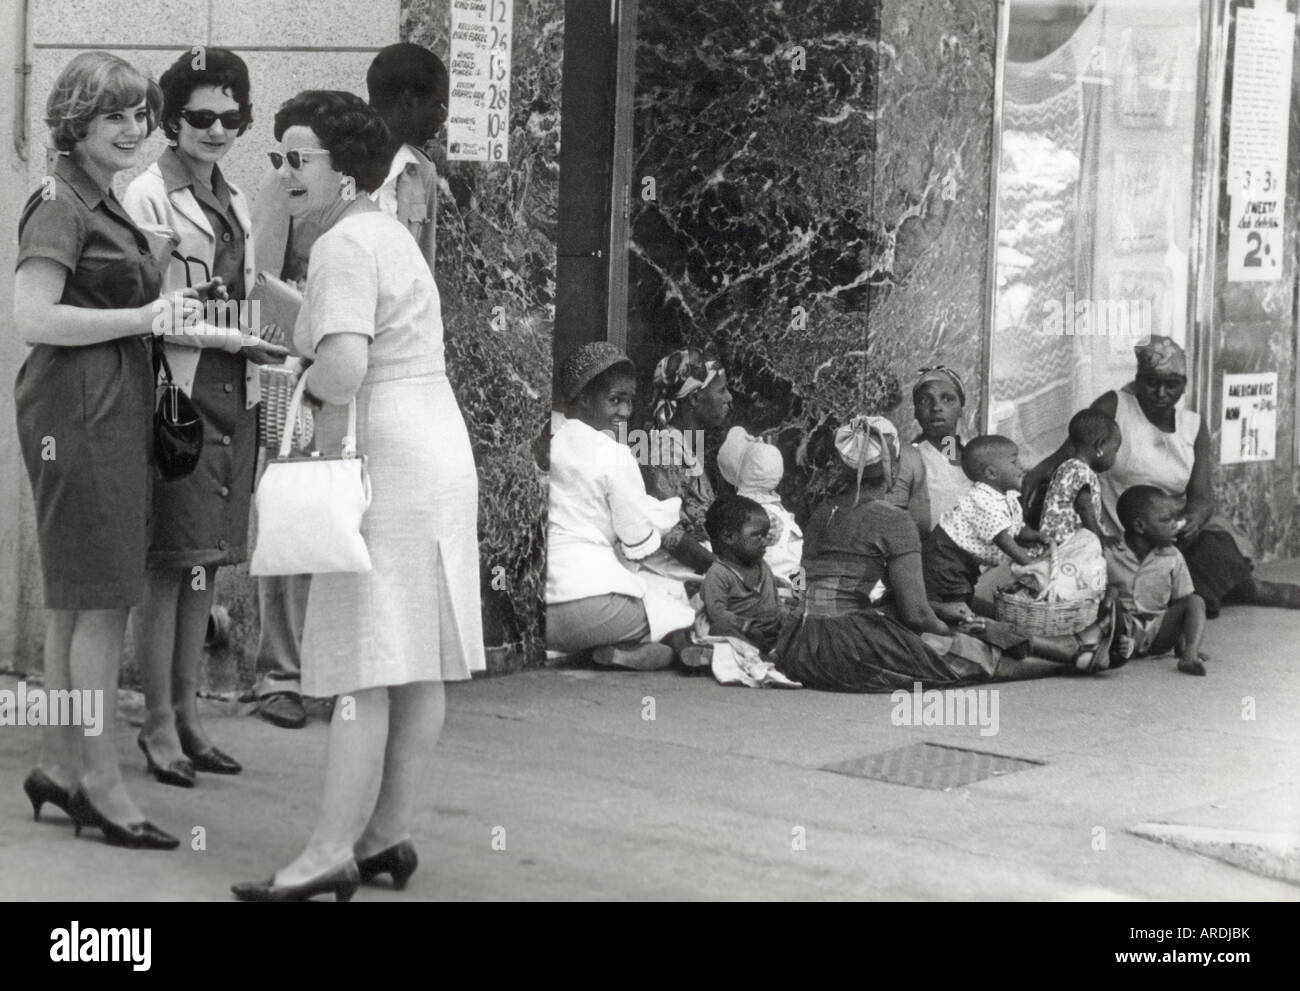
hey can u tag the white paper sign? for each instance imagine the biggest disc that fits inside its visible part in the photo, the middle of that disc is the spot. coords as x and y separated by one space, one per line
1249 418
1257 144
478 111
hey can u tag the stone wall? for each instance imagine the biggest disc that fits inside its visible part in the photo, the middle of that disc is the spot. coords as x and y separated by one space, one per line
496 248
820 211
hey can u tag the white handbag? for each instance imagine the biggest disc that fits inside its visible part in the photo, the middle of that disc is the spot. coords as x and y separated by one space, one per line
309 509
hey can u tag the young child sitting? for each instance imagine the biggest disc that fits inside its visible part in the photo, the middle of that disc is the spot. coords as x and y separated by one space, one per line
986 528
739 590
760 471
1074 494
1158 609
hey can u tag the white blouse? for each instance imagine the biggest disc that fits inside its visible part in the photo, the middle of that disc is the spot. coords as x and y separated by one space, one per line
598 503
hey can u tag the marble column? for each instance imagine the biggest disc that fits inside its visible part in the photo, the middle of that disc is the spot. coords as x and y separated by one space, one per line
496 272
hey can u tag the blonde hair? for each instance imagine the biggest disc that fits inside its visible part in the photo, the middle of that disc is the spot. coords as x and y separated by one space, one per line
96 83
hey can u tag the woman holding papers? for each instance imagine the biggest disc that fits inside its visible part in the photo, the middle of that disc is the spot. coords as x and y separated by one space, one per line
200 521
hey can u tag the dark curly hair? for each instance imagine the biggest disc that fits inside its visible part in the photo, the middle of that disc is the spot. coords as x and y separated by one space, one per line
406 67
347 127
222 68
727 515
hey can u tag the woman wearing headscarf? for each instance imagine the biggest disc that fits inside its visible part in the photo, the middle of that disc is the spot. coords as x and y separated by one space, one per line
930 480
844 643
1169 447
600 518
690 399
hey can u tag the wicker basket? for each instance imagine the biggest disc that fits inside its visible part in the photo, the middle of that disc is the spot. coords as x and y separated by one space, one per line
277 389
1046 619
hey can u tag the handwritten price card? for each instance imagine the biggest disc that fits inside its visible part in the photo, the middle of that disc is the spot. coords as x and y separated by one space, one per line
478 112
1257 143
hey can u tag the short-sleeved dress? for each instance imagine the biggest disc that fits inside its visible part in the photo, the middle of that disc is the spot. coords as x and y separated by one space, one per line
85 413
416 616
842 643
1060 518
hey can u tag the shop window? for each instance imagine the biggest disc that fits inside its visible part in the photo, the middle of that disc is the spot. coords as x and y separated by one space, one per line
1095 202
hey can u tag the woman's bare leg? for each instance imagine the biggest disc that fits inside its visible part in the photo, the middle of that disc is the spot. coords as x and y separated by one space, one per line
192 612
354 763
156 632
93 659
415 718
60 745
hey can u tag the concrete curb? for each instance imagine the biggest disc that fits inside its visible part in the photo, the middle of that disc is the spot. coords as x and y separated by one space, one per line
1271 855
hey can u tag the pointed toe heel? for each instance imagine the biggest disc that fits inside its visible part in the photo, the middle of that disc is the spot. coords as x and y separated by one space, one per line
342 882
142 835
399 862
179 772
41 788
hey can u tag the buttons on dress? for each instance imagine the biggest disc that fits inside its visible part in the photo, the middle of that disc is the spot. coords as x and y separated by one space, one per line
225 441
228 387
222 545
225 491
226 237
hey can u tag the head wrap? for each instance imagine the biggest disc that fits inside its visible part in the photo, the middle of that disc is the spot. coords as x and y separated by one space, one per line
677 376
762 466
940 373
867 440
732 452
1161 356
589 361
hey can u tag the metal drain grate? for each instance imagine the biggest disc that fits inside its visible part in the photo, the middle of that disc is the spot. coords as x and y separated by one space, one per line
930 765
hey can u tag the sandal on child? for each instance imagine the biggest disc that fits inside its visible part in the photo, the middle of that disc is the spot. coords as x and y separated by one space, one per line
1094 657
1193 666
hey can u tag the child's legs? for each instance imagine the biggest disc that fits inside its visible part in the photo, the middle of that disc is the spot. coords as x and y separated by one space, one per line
1181 628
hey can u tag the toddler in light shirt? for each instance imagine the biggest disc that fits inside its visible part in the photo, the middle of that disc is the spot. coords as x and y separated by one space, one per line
985 529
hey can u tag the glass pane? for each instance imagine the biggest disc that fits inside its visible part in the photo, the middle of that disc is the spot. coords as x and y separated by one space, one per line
1095 203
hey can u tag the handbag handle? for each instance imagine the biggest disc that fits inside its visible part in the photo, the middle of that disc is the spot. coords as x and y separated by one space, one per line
286 434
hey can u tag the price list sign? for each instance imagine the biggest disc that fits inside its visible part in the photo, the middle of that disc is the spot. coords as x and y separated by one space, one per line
478 111
1257 143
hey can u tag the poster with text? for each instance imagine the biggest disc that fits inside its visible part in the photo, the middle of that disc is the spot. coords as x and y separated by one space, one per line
1257 143
1249 418
478 109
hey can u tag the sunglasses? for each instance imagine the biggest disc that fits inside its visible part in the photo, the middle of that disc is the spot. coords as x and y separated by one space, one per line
203 119
294 158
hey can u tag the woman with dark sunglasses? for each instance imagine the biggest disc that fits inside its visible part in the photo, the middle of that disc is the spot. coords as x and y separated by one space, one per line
200 521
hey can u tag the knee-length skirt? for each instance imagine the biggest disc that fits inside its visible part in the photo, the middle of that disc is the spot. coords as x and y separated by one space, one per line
85 427
416 616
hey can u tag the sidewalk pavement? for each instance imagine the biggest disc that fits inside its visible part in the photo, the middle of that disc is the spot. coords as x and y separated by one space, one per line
553 784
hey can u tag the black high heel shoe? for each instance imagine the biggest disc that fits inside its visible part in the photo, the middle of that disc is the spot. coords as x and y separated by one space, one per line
142 835
41 788
179 772
397 861
342 881
210 761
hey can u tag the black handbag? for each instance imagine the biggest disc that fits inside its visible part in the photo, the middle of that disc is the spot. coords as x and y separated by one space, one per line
177 426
